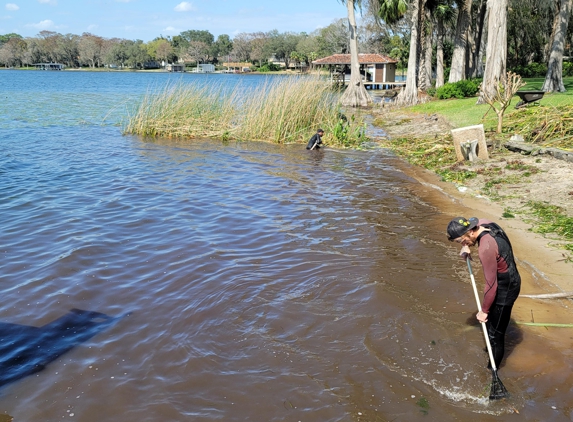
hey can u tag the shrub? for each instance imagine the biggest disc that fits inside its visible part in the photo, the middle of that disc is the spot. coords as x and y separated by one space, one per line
269 67
532 70
567 69
461 89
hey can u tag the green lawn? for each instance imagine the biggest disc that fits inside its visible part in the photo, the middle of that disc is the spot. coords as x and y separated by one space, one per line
465 112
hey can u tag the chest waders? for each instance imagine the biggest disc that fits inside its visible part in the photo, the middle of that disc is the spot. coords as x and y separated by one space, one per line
499 315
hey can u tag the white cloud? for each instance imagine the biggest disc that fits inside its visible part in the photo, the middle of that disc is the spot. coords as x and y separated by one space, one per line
170 29
12 6
92 27
124 1
184 7
46 24
50 2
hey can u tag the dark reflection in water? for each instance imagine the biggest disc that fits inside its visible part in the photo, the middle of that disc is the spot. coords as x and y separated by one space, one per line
25 350
266 283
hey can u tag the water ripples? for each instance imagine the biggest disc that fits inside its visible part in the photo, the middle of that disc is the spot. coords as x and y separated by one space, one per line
262 282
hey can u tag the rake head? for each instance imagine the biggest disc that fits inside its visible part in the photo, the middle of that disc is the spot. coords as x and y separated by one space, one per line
498 390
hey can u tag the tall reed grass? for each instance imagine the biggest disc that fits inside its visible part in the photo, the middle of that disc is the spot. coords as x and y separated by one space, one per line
281 110
183 111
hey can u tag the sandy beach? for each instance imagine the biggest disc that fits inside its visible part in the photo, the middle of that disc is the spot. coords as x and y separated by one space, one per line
544 267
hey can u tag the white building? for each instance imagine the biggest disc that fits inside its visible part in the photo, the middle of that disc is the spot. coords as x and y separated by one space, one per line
204 68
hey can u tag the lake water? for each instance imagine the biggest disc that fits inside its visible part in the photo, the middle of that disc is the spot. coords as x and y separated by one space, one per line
262 282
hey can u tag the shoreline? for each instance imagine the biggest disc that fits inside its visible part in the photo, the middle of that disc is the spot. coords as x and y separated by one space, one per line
543 269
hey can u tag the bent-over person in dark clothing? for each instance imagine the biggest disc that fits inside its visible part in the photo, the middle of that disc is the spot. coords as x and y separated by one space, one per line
502 280
316 141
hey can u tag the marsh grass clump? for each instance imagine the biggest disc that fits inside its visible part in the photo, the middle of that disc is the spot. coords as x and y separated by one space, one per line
179 110
281 110
288 109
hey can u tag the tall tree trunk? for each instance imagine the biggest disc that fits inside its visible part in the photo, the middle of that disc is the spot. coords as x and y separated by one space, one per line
429 31
421 57
409 95
477 70
440 54
355 95
549 44
457 71
496 50
554 77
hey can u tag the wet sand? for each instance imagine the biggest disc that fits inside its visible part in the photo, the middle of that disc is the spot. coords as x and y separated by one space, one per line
542 267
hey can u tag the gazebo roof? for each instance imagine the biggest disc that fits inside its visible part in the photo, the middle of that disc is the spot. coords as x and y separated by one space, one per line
362 59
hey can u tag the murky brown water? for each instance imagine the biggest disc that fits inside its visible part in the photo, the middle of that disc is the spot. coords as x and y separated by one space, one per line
264 283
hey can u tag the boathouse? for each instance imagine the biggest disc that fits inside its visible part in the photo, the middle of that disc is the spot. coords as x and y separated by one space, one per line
49 66
172 67
204 68
237 67
378 71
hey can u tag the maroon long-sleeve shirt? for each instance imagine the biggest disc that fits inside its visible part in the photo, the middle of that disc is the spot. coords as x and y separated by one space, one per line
492 263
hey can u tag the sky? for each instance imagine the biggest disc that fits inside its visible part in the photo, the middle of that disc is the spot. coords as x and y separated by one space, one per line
148 19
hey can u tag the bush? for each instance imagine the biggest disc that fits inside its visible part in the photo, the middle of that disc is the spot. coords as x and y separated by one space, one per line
349 134
269 67
533 70
567 69
461 89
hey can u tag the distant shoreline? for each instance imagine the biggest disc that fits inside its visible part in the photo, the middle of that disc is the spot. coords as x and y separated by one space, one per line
280 72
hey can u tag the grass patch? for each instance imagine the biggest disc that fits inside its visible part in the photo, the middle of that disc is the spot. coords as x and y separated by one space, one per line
519 165
491 186
282 110
551 219
508 213
549 124
460 112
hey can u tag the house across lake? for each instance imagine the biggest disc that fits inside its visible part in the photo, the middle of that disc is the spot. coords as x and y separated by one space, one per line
175 67
49 66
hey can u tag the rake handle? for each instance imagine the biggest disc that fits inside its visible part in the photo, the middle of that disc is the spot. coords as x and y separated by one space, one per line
487 342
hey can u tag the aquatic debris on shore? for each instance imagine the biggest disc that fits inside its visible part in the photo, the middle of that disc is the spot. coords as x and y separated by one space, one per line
543 125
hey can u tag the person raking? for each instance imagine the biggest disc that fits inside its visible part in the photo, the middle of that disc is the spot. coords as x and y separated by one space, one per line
502 279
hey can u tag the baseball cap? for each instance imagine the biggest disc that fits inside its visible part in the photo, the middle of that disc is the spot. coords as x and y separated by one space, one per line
460 226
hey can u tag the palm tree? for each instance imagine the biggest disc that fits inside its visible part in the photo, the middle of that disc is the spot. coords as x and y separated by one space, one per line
355 95
391 11
444 15
458 68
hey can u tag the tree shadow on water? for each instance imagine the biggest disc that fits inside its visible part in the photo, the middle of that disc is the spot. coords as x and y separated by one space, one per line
25 350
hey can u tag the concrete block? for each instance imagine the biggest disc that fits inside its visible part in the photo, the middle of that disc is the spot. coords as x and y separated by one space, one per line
469 134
